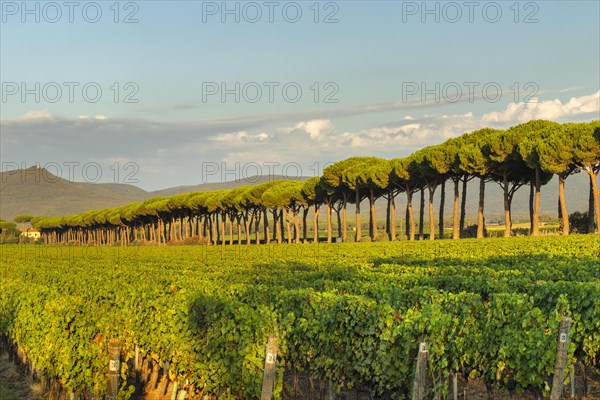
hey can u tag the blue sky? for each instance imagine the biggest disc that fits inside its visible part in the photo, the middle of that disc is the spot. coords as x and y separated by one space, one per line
367 61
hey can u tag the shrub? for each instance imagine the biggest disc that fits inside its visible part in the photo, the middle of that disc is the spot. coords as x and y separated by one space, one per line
471 232
578 222
195 240
520 232
7 239
382 237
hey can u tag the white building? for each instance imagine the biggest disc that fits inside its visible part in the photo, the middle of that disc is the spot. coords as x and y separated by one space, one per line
31 233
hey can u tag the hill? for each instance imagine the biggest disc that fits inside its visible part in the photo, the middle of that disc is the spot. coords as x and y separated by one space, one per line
252 180
36 191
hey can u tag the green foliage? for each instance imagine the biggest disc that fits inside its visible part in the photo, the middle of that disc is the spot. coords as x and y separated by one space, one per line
283 195
351 312
471 232
8 227
23 218
579 222
556 152
9 234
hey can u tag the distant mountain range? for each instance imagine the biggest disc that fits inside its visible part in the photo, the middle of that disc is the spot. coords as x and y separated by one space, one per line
36 191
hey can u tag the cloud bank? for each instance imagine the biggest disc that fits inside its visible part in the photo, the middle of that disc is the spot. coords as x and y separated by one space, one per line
172 153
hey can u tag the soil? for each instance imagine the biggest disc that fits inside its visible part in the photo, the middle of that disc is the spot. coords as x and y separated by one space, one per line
16 385
467 390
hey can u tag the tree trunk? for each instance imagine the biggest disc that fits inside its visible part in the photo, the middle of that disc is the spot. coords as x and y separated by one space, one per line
407 218
480 209
151 234
455 220
275 217
217 234
223 238
463 205
247 224
163 236
596 215
373 216
282 225
387 217
421 212
536 202
431 217
329 227
288 226
563 205
297 228
215 227
410 222
278 228
591 207
339 222
531 196
507 222
257 227
208 229
392 216
357 199
304 224
316 224
344 234
442 204
344 221
266 227
560 215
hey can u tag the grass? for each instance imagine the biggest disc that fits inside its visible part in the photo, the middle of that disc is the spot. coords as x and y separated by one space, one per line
14 385
5 394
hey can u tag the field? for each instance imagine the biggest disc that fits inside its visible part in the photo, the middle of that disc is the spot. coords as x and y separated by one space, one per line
194 320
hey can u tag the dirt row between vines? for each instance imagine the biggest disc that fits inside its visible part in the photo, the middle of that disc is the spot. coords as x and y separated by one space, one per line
16 384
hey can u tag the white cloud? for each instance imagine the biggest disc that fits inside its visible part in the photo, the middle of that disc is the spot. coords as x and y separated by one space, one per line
35 115
411 133
180 148
550 109
570 89
314 128
239 137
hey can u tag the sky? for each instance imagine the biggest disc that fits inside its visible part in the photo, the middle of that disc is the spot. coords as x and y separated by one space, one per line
167 93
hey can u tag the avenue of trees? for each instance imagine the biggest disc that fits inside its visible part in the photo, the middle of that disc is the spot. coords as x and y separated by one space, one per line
528 155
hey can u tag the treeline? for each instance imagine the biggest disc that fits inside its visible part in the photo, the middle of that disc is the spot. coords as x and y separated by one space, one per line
528 154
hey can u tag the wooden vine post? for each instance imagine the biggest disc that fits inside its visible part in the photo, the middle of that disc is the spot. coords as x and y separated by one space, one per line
419 391
269 374
114 369
561 358
455 385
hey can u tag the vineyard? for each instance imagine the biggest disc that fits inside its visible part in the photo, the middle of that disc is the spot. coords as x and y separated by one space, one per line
349 314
